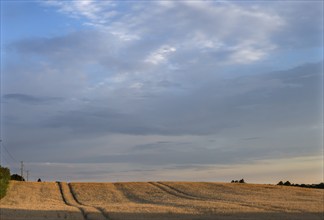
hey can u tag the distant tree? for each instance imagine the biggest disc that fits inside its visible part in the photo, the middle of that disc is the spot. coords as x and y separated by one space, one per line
242 181
236 181
320 186
280 183
287 183
232 181
39 180
17 177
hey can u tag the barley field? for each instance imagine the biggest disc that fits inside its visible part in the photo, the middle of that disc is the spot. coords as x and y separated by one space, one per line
159 200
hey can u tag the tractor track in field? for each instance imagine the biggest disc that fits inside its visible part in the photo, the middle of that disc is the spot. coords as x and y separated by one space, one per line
70 199
173 191
67 202
130 196
101 210
176 192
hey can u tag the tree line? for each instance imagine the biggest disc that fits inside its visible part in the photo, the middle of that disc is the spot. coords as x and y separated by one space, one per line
316 186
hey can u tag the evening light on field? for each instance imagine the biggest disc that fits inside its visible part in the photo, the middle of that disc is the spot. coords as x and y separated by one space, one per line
149 109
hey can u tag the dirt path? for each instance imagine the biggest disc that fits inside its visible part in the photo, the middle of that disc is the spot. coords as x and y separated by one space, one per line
88 212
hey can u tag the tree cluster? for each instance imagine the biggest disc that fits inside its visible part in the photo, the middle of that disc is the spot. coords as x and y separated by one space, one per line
238 181
17 177
287 183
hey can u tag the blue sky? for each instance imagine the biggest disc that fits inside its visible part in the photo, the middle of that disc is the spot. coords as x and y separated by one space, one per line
172 90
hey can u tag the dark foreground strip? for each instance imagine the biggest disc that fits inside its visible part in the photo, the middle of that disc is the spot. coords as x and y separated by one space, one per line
67 203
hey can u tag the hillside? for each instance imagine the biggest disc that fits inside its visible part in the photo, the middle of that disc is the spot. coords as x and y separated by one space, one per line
159 200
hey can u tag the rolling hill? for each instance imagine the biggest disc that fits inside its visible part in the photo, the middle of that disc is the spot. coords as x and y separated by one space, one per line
159 200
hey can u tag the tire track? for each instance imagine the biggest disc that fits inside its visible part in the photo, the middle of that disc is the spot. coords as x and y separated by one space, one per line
67 202
130 196
181 192
101 210
176 192
88 212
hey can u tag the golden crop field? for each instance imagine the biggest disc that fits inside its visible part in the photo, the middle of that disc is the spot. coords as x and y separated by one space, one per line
159 200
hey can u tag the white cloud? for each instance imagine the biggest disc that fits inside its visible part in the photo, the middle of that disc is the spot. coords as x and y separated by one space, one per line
215 26
166 4
160 55
247 55
98 12
125 36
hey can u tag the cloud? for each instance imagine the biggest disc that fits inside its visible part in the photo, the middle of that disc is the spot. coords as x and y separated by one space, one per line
255 100
29 99
95 11
152 43
189 83
215 27
160 54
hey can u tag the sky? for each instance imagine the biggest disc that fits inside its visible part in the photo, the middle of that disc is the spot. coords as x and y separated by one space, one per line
163 90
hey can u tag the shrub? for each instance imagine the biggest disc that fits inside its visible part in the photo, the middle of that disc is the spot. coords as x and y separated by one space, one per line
287 183
17 177
242 181
320 186
4 180
238 181
280 183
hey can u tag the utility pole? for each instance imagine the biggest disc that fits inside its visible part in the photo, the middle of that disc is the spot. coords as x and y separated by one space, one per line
22 169
0 152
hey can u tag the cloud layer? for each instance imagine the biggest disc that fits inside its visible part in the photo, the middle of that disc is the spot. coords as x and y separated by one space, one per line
187 83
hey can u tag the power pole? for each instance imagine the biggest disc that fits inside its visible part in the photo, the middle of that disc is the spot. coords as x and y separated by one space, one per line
22 169
0 152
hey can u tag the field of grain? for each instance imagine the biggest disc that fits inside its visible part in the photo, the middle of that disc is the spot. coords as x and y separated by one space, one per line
35 201
159 200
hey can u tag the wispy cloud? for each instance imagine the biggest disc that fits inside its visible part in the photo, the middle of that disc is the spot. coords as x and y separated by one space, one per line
29 99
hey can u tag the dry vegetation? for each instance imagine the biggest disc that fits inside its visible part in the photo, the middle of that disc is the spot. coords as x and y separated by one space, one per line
34 200
162 200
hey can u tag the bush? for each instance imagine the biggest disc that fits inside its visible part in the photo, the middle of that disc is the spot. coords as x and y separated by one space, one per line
320 186
280 183
242 181
17 177
4 180
287 183
238 181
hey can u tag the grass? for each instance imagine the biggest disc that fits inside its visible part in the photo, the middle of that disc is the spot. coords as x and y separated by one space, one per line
32 200
161 200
